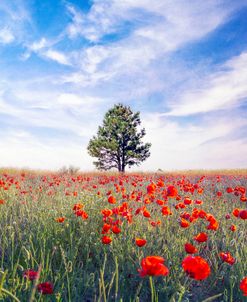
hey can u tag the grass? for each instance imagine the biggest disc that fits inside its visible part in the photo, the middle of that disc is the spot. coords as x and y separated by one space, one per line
72 257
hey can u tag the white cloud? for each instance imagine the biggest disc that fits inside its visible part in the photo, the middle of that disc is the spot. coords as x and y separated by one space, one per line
28 152
209 144
221 90
157 30
57 56
6 36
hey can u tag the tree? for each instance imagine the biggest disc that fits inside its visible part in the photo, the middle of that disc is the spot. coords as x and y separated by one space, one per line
118 142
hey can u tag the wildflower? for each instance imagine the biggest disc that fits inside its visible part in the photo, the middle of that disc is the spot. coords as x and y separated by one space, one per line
116 229
190 249
172 192
243 214
166 211
60 219
196 267
111 199
201 237
30 274
235 212
77 206
146 213
233 228
45 288
151 189
106 240
227 257
243 286
140 242
153 266
184 223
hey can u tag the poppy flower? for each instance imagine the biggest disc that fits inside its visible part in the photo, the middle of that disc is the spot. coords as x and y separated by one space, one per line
77 206
166 211
106 240
45 288
106 212
2 201
140 242
60 219
106 228
196 267
227 257
151 189
172 192
153 266
190 249
30 274
187 201
229 190
201 237
243 286
243 214
213 224
184 223
235 212
146 213
233 228
111 199
82 214
115 229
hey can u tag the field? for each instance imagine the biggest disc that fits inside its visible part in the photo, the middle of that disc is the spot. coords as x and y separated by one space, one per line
131 237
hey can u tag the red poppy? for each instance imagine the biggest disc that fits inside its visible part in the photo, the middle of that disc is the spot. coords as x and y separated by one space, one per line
196 267
227 257
187 201
233 228
45 288
235 212
106 240
116 229
229 190
243 214
60 219
213 223
77 206
153 266
111 199
151 189
201 237
243 286
82 213
172 192
106 212
106 228
2 201
30 274
184 223
166 211
146 213
140 242
190 249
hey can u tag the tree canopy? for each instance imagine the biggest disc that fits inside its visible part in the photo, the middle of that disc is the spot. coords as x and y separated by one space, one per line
118 141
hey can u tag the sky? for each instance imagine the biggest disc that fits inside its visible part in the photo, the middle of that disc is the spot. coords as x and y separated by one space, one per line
182 64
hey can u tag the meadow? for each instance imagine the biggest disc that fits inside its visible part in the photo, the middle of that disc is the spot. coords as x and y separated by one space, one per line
123 237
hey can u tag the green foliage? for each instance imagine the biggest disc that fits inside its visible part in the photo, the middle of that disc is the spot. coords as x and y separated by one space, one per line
118 142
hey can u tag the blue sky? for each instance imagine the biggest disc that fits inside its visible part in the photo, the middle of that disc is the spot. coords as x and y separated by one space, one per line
182 64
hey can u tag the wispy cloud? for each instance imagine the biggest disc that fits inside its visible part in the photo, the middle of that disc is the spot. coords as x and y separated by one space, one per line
6 36
221 90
